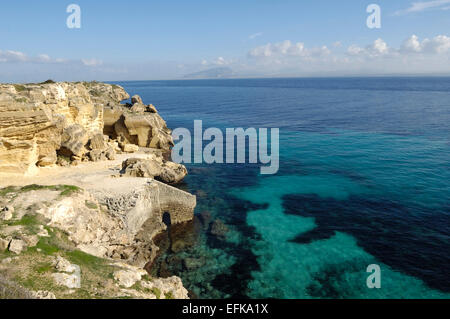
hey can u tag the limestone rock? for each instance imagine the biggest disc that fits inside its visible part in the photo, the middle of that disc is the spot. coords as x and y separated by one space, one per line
4 243
150 108
73 140
63 265
7 213
127 278
72 281
137 167
31 240
169 287
43 232
17 246
136 99
43 294
34 116
48 160
130 148
172 173
138 108
97 142
154 167
150 129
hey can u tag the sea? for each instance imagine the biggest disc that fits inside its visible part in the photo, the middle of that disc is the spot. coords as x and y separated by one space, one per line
364 179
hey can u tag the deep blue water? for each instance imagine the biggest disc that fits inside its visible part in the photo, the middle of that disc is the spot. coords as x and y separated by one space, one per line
364 178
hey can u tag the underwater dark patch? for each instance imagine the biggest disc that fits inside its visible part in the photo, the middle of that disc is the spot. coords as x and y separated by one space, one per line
331 283
413 241
213 203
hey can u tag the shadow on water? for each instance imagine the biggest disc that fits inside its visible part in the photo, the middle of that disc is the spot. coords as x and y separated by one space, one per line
402 238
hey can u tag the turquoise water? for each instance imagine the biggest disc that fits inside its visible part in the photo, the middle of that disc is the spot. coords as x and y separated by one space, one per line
364 179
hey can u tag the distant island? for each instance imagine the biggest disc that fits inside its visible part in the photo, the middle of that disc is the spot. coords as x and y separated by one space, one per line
214 73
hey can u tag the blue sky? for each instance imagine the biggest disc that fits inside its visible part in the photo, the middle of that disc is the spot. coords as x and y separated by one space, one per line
137 39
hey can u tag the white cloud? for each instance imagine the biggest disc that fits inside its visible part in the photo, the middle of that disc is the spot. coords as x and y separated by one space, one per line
425 5
255 35
12 56
414 55
220 61
287 49
438 45
376 49
92 62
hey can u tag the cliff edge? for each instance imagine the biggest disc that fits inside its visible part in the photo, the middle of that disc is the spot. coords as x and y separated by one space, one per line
85 184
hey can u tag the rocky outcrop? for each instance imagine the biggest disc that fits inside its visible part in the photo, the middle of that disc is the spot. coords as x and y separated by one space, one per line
110 215
138 124
37 120
74 225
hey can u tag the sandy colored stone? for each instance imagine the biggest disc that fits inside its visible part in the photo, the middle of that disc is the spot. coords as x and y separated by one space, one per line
17 246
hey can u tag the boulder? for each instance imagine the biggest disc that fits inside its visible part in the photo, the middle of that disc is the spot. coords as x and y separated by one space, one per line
136 99
69 275
17 246
7 215
150 109
97 155
63 265
172 286
48 160
97 142
138 108
219 229
130 148
31 240
150 129
43 294
127 278
73 140
71 281
137 167
4 243
172 173
154 167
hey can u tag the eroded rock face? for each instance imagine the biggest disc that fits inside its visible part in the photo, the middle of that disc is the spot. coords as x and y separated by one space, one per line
140 125
40 121
36 120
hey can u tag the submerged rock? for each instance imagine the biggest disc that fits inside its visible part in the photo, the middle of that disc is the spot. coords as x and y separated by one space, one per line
219 229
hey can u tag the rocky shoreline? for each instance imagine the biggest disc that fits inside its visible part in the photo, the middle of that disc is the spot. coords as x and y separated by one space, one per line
86 184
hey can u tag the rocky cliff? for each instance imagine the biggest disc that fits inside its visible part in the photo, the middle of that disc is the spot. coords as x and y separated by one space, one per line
78 121
101 227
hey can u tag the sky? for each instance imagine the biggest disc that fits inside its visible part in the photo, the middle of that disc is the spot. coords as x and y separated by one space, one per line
170 39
